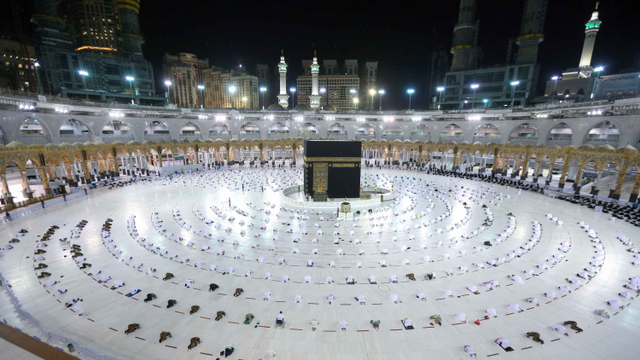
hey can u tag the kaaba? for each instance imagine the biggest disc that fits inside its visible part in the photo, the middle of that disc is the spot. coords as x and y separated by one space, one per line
332 169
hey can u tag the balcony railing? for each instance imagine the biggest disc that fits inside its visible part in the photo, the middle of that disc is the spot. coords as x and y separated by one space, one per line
308 135
365 137
279 136
157 137
524 141
423 137
249 136
33 139
392 137
190 137
223 136
108 139
449 138
559 141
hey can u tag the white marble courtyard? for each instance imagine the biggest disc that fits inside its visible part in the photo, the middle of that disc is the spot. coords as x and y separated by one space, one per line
423 231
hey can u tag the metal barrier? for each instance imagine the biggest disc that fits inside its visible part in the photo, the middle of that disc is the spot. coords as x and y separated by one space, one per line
20 212
375 200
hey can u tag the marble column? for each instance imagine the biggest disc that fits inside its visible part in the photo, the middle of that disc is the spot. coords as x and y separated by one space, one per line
615 194
26 189
45 182
565 168
6 194
636 187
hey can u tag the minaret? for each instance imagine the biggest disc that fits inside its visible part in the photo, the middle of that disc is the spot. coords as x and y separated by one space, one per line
128 14
283 98
531 31
591 30
464 36
314 98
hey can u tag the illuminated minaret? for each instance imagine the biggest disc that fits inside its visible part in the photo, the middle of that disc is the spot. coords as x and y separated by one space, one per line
591 30
314 98
283 98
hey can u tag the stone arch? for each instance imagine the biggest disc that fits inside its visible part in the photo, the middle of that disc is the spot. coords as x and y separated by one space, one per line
157 131
74 129
561 134
487 133
337 130
116 128
278 130
249 130
421 132
603 133
219 131
189 131
33 131
365 131
524 134
308 130
452 132
393 131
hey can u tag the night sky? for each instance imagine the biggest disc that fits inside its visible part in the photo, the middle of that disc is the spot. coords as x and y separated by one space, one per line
399 34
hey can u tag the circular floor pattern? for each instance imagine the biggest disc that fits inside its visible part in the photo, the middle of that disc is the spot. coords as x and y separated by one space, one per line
483 260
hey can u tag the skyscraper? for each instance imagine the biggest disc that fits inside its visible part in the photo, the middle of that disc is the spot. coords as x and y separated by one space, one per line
101 38
217 94
93 24
468 84
185 71
531 31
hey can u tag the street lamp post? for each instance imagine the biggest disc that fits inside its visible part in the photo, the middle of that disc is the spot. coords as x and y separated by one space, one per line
372 92
485 101
263 90
168 83
38 86
244 102
130 80
232 91
84 74
201 88
513 92
410 92
381 92
355 102
440 90
473 99
293 97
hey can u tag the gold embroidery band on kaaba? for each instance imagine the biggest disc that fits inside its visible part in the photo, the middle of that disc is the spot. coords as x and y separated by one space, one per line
332 159
342 165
